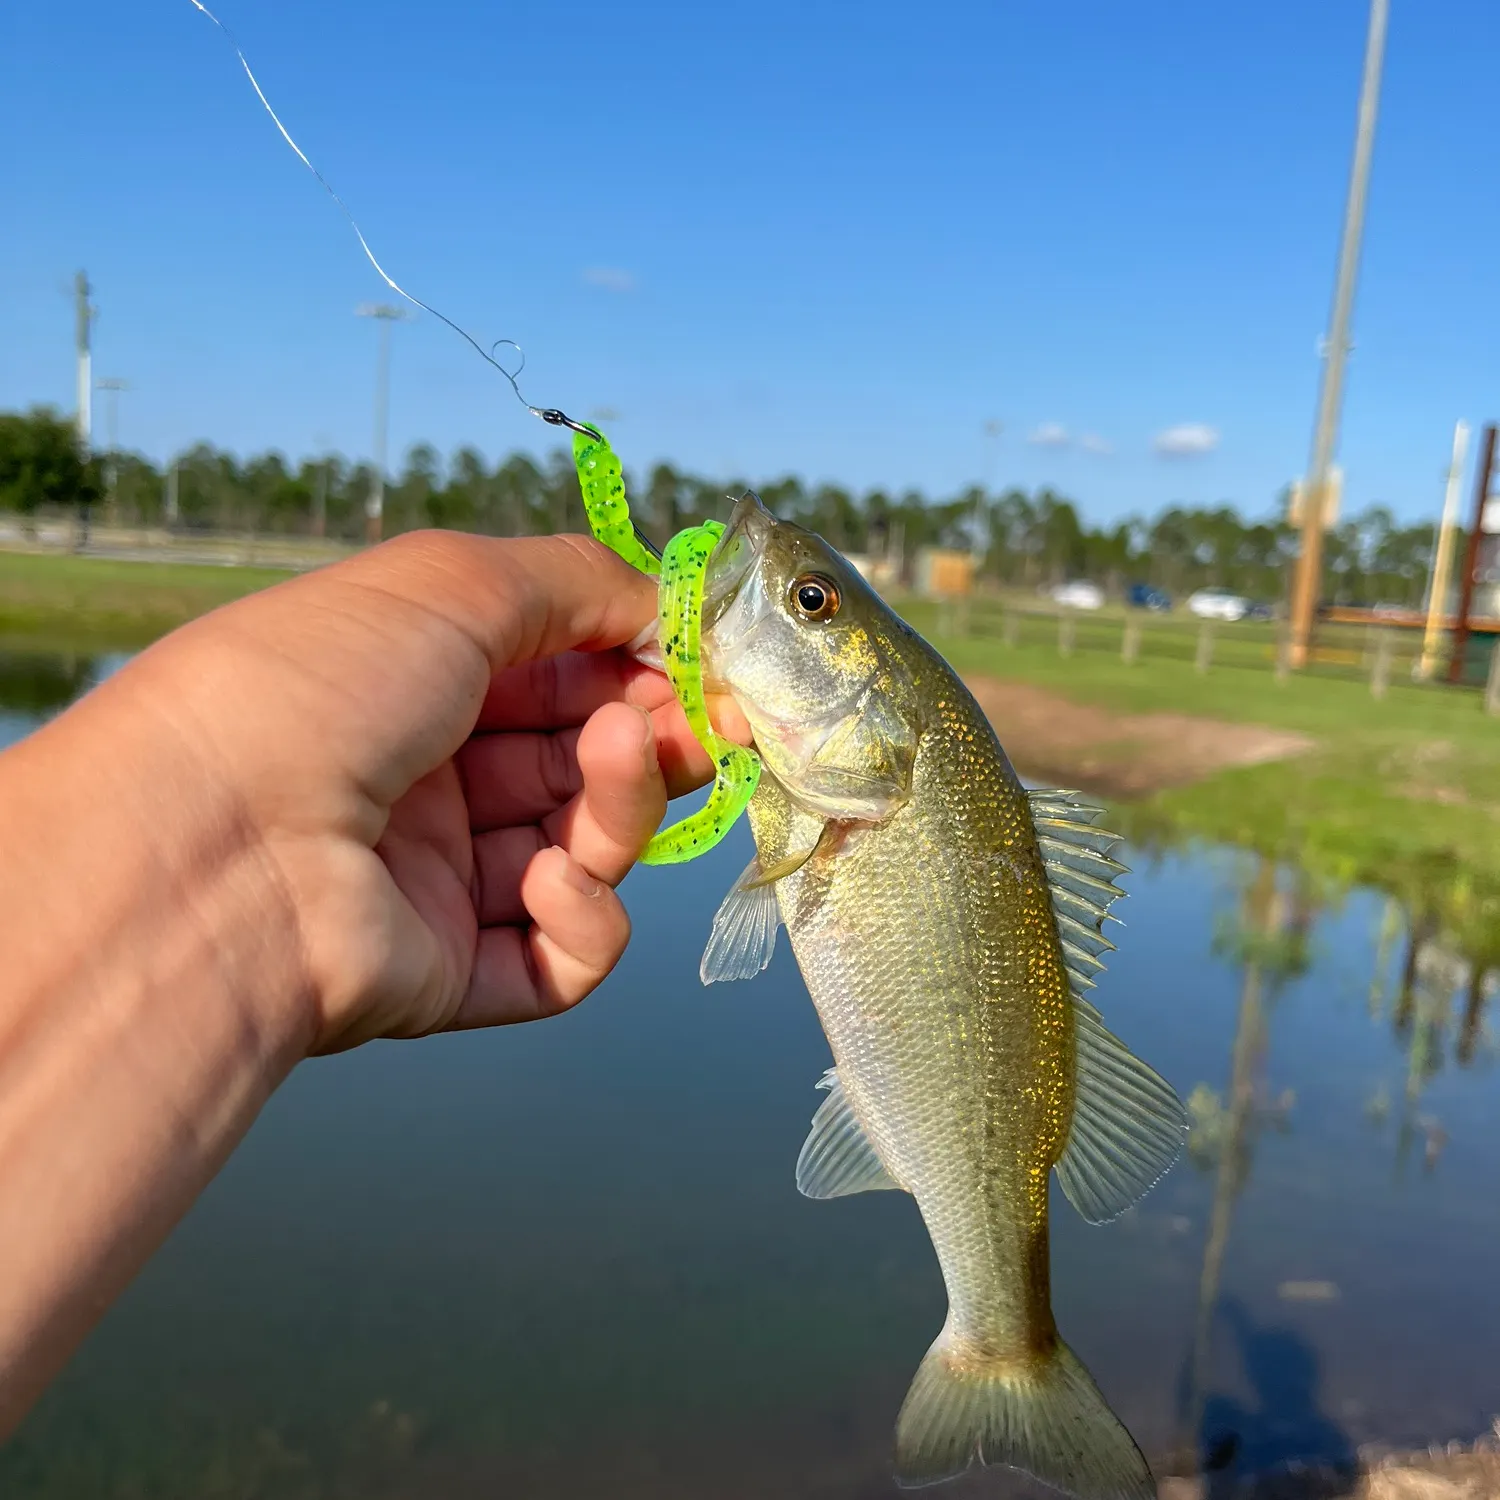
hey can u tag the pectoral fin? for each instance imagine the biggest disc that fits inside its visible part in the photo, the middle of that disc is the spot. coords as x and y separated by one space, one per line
794 862
837 1158
1128 1124
744 931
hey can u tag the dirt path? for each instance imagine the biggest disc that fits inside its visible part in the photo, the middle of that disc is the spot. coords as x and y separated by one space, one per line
1120 755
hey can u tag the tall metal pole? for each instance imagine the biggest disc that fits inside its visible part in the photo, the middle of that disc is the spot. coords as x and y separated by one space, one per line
112 386
385 314
1471 556
1442 556
85 314
1307 579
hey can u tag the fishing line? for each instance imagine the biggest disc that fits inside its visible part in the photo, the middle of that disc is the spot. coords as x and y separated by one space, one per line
547 413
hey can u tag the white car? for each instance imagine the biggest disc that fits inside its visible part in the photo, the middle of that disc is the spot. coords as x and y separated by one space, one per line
1079 595
1218 604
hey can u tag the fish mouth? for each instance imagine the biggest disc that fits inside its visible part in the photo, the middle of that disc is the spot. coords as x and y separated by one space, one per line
739 549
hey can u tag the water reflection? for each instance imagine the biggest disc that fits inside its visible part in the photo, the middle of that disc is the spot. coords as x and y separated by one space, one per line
35 685
569 1260
1434 980
1284 1415
1266 937
39 683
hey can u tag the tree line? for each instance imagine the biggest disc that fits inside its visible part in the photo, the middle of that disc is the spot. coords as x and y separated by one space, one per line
1023 539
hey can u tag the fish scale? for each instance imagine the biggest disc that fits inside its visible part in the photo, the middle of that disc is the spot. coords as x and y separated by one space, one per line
927 1045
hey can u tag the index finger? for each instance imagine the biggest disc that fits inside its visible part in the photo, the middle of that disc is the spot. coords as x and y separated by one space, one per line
559 691
517 599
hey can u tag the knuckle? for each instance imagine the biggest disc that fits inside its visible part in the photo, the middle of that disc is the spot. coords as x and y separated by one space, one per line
557 765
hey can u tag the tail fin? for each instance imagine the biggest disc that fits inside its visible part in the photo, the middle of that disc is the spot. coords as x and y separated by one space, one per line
1048 1419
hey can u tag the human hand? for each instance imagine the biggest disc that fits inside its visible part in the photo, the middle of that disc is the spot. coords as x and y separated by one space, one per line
444 762
390 797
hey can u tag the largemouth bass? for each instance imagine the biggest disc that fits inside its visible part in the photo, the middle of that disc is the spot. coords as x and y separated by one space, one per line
946 922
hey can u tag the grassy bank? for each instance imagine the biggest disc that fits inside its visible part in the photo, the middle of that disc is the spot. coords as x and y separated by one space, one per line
1401 792
85 603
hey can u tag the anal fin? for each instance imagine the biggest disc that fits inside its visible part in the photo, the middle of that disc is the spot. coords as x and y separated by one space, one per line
1128 1124
837 1158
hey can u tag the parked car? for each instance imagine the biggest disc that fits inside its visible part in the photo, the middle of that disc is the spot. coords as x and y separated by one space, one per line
1144 596
1218 604
1079 594
1259 611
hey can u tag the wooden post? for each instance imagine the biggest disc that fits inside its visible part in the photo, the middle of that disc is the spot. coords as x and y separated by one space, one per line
1205 647
1130 642
1010 629
1442 557
1492 682
1471 557
1065 627
1380 671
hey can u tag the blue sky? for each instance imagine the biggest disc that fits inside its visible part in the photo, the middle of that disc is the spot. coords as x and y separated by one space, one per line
826 239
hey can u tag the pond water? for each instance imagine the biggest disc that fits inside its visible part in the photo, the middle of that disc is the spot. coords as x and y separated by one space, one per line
568 1260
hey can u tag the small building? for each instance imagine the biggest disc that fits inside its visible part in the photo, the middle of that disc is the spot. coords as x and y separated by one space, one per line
942 573
1487 577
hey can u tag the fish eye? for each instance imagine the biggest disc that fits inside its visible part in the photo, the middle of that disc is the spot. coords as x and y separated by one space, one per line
815 597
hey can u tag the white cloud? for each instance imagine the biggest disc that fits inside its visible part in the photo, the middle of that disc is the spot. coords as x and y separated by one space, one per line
1050 435
1091 442
1187 440
610 278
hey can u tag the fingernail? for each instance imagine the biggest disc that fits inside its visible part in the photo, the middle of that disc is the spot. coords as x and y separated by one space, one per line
648 744
577 876
644 644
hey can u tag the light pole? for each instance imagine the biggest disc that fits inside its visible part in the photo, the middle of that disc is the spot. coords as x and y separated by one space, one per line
1308 575
112 385
385 315
85 313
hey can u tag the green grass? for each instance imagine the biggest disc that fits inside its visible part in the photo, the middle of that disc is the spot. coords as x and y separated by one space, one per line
85 603
1402 792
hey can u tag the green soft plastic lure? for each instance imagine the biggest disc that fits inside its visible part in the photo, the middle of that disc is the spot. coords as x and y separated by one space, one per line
679 630
604 500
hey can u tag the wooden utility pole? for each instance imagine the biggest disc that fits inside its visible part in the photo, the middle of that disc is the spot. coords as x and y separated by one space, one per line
1309 567
1471 556
1442 557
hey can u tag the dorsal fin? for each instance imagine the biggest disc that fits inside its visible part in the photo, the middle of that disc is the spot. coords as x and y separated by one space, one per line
1081 875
